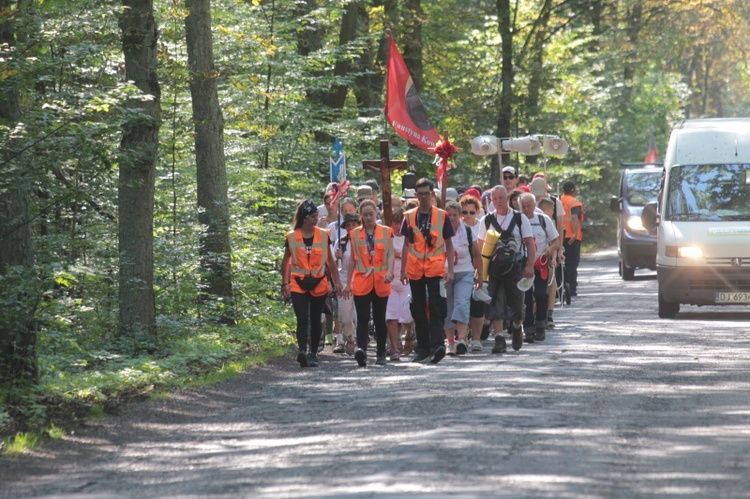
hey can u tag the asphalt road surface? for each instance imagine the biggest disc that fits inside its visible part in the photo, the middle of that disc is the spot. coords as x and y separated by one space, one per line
616 403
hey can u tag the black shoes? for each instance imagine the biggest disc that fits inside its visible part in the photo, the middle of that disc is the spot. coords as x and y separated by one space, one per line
517 332
499 344
361 357
381 359
302 359
438 355
312 360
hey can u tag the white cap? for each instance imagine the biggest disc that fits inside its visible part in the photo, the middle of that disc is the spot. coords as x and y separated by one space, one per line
451 194
480 294
538 187
525 283
509 169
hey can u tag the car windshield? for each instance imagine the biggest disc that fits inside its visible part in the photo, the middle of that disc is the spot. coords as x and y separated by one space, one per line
709 192
643 187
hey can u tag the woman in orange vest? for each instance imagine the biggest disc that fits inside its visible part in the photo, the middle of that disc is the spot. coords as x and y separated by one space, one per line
303 272
371 265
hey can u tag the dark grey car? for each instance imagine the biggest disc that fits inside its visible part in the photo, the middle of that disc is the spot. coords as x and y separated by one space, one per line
636 247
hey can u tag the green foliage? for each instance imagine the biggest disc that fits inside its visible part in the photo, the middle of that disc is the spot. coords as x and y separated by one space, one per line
688 60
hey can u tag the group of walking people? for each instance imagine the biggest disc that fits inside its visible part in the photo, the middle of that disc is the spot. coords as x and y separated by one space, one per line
431 280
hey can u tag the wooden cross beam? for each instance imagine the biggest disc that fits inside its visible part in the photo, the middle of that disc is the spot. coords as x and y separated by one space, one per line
385 165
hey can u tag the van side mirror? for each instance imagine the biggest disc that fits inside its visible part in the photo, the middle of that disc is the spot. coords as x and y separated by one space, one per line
650 216
614 204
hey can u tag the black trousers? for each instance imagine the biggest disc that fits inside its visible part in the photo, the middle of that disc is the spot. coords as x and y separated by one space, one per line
379 304
308 308
572 259
430 334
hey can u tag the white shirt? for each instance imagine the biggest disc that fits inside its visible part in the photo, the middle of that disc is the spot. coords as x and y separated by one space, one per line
519 232
461 252
543 236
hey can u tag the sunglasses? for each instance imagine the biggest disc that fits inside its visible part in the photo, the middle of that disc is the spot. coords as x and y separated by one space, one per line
506 177
469 212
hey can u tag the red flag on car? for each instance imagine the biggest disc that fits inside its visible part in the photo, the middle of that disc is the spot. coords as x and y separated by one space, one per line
653 155
403 109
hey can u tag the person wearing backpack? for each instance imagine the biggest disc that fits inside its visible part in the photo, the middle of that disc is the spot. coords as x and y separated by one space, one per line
547 241
428 240
506 266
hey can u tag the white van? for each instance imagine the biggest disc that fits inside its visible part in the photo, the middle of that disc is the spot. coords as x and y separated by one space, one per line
703 237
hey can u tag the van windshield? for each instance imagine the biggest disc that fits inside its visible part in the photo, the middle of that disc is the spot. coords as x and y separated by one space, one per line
708 192
642 187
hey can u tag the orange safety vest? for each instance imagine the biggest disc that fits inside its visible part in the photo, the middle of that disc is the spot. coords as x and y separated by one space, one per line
370 268
312 265
569 202
426 260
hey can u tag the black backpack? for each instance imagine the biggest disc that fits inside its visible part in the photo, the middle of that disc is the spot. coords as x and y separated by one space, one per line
505 257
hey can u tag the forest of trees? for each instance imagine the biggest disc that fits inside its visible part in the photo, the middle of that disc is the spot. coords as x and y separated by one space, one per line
153 151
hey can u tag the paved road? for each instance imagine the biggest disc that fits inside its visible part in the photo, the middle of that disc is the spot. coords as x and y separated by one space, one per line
616 403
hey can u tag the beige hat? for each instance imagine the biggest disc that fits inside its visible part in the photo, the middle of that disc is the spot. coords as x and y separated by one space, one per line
364 192
538 187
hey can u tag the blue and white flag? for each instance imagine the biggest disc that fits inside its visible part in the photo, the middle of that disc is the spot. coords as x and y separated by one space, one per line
339 184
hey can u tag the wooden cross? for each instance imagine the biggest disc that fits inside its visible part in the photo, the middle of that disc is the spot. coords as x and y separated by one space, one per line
384 165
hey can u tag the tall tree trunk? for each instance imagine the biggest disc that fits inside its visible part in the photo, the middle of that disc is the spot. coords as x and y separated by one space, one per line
632 31
213 203
139 149
17 331
505 114
390 8
412 45
349 21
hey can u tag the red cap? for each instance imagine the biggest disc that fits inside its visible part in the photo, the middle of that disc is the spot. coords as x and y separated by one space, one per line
473 192
524 188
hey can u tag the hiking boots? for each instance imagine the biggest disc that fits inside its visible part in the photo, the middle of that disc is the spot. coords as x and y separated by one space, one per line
517 333
499 344
541 334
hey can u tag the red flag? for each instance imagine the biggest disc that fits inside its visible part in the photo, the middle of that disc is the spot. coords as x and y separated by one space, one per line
653 155
403 109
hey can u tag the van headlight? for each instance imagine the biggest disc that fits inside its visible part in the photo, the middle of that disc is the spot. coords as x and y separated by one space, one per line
634 224
693 252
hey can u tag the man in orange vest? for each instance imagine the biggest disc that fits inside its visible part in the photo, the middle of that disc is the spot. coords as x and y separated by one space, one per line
428 240
572 219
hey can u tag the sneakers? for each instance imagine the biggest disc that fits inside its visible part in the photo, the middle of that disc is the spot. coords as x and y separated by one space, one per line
312 360
380 360
541 333
395 356
517 332
438 355
361 357
302 359
421 359
499 344
339 348
461 347
451 349
476 346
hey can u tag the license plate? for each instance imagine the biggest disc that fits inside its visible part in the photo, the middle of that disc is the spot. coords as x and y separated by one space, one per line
736 297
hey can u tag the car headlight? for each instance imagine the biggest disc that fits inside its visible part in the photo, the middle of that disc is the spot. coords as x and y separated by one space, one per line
634 224
692 252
